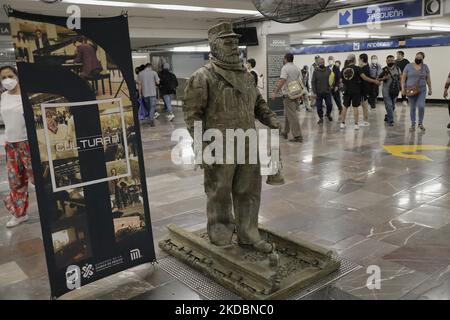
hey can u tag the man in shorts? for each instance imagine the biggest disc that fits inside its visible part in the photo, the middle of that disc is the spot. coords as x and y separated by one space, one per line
351 77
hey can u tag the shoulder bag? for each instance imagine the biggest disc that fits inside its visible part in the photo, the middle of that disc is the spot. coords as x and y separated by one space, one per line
414 90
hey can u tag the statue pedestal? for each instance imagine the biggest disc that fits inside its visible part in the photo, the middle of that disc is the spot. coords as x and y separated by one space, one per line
248 273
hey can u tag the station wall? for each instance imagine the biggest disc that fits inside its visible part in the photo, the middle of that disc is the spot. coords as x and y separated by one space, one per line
185 64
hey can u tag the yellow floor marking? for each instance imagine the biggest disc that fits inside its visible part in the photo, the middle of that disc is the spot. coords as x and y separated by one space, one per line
403 151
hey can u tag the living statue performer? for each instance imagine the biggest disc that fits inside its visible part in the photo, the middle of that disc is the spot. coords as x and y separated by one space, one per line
222 95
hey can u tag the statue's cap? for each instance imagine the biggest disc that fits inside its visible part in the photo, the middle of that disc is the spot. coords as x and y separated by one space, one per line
221 30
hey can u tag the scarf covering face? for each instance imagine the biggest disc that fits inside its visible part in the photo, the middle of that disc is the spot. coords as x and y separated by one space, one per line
232 73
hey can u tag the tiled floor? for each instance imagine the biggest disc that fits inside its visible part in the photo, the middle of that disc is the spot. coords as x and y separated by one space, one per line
343 191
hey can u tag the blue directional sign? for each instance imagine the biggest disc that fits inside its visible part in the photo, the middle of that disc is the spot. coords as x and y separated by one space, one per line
344 17
388 12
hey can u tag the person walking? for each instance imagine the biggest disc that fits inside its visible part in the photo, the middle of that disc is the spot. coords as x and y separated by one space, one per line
321 86
415 79
251 64
367 84
305 79
335 80
148 80
402 62
167 87
447 86
374 90
18 157
289 73
313 68
390 76
351 78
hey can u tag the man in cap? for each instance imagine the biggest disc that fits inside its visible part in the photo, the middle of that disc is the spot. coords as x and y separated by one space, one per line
222 95
312 69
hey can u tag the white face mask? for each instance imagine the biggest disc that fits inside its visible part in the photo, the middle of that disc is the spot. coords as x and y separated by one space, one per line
331 62
374 61
9 84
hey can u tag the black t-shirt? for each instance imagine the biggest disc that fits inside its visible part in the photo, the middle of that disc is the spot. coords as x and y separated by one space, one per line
402 64
365 86
351 77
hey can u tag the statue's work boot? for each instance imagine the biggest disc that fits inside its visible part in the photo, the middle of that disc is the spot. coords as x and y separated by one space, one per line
221 235
260 246
276 180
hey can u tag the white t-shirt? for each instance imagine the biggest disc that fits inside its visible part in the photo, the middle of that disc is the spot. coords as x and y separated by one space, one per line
12 114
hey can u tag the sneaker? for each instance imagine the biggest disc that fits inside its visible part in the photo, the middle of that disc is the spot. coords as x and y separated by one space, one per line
320 121
421 127
308 109
170 117
365 124
157 115
448 126
342 125
356 126
297 139
284 135
14 221
412 129
391 124
385 118
405 103
152 123
330 118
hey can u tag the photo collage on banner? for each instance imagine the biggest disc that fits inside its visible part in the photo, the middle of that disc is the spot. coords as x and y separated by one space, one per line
80 107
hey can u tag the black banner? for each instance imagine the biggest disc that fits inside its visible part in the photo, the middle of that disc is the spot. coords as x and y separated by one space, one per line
80 108
277 47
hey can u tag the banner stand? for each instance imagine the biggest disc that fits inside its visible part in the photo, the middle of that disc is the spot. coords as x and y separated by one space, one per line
85 144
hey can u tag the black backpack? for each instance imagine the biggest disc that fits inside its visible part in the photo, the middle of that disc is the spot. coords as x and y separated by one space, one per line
173 82
394 87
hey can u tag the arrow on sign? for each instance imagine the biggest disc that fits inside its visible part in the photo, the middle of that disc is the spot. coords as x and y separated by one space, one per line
343 18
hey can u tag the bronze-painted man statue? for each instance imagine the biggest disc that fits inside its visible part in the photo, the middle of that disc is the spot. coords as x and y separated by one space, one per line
222 95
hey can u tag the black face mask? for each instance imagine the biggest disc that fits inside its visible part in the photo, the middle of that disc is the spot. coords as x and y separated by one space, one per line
390 64
322 66
418 61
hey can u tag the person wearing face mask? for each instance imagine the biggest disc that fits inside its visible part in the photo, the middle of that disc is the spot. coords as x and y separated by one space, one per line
335 81
367 85
391 87
18 157
375 71
415 79
322 88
